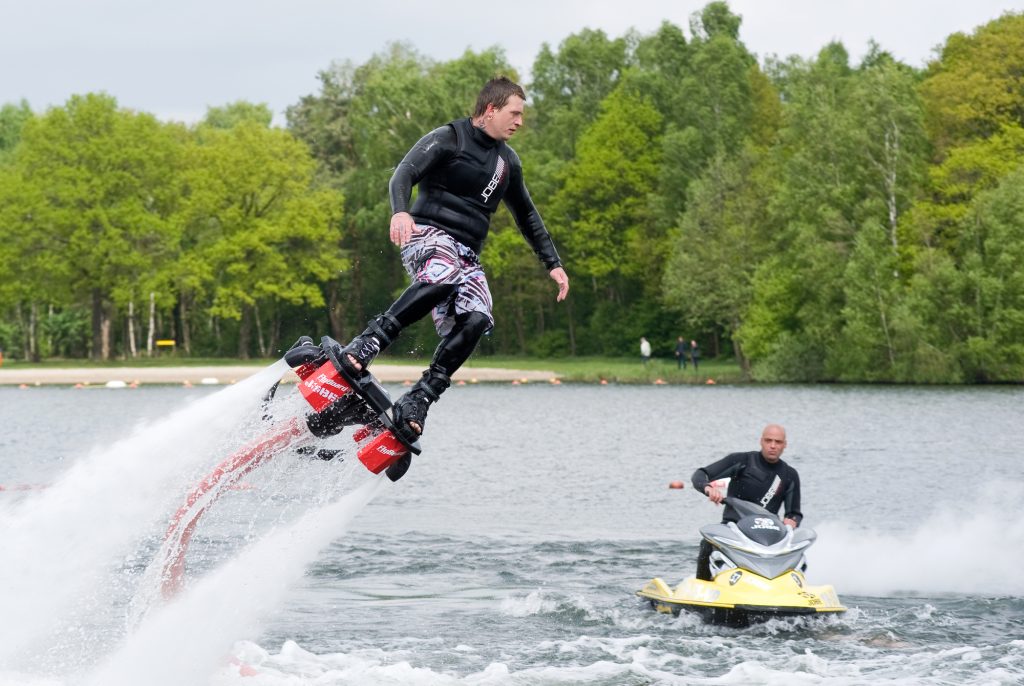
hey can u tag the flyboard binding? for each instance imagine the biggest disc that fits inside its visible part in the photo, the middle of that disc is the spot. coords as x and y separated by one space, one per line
337 400
757 565
340 399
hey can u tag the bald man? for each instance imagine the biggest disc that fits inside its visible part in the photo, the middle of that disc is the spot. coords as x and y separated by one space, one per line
759 476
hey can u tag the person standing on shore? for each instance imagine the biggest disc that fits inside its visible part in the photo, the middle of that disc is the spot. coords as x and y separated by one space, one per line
645 351
682 352
463 170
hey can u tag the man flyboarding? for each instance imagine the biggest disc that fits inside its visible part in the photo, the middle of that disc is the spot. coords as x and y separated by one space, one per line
463 170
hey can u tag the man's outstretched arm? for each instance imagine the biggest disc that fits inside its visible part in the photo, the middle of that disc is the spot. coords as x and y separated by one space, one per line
527 218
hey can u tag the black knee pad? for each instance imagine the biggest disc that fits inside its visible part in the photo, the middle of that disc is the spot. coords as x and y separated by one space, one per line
473 323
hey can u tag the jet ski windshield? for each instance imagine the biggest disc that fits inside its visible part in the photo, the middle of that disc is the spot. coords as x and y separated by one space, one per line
763 530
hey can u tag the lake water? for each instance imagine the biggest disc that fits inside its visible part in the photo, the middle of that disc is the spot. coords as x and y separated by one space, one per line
510 552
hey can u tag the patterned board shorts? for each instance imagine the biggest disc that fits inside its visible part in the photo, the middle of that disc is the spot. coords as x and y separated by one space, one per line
432 256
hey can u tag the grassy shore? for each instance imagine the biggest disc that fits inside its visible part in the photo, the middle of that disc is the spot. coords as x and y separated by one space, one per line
571 369
621 369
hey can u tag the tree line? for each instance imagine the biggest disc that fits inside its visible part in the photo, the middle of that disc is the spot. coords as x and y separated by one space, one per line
816 219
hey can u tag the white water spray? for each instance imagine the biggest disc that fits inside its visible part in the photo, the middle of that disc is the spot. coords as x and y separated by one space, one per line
968 551
186 641
59 547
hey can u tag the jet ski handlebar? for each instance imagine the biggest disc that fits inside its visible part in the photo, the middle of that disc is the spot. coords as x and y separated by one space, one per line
745 507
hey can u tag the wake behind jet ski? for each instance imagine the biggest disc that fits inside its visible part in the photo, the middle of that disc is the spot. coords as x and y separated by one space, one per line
757 568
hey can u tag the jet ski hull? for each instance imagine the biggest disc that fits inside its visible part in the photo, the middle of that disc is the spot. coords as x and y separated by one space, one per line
738 597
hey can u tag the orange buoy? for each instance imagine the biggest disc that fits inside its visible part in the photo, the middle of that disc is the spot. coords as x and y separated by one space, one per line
710 382
460 382
604 382
676 484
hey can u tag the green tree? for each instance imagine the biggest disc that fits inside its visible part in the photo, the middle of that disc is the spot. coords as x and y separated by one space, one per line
12 120
869 346
570 84
724 235
973 98
33 272
851 161
718 87
259 233
719 179
976 86
713 98
982 313
15 206
892 150
105 176
603 218
235 113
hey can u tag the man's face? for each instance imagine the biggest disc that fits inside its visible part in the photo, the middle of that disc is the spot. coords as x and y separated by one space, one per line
501 124
773 442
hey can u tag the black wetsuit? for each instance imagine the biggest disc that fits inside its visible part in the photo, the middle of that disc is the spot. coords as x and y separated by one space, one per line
752 478
462 175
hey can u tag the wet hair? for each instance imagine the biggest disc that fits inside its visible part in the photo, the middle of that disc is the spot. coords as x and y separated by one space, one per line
496 92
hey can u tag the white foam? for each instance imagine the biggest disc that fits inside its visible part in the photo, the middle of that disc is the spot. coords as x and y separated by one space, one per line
61 547
294 665
533 604
966 551
190 637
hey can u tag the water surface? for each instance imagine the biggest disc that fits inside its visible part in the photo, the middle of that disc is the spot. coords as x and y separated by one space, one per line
510 552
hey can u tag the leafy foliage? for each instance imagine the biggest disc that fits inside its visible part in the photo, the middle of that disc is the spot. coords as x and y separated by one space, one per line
817 219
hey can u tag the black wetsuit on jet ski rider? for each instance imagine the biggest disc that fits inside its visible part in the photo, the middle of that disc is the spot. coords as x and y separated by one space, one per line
754 479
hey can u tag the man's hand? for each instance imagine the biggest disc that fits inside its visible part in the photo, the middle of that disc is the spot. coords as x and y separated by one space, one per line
402 226
713 494
558 274
791 523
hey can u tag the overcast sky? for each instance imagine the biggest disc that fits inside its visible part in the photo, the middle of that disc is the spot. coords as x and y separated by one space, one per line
177 57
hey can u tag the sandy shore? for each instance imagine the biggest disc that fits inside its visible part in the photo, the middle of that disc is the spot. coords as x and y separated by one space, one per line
215 375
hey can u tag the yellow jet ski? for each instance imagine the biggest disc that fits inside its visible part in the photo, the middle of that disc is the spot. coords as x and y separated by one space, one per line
757 566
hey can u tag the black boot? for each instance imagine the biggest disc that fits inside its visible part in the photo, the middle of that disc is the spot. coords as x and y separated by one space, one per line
413 304
379 333
413 406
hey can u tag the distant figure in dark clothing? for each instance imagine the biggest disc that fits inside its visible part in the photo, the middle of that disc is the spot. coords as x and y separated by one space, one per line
694 354
682 352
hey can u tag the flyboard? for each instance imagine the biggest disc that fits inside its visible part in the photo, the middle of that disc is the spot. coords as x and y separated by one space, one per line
337 399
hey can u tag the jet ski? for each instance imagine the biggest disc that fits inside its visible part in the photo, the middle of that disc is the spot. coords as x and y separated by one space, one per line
757 567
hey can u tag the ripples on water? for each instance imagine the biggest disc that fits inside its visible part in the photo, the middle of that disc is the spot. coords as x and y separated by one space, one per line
510 553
